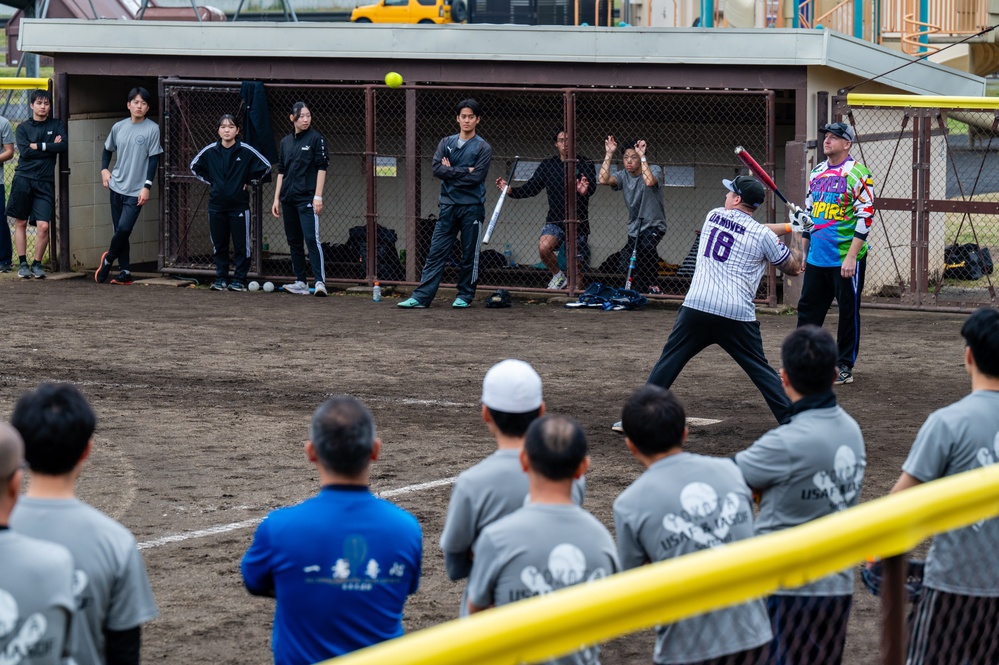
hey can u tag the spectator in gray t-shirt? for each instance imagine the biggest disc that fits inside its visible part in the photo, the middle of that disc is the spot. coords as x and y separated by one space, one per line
496 486
641 183
955 618
808 468
550 543
112 592
686 503
36 578
6 154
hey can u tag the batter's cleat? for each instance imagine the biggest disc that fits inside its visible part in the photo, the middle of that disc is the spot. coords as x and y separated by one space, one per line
103 270
411 303
460 303
219 285
320 290
557 282
298 288
24 271
123 278
618 427
844 376
6 266
237 286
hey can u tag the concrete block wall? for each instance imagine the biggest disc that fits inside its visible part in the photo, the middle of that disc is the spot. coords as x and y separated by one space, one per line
90 226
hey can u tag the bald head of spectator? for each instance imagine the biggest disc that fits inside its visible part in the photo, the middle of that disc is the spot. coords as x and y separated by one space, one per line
11 470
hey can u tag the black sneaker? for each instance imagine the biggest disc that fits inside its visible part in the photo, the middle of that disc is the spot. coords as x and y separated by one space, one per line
844 376
123 277
103 270
219 285
6 266
237 286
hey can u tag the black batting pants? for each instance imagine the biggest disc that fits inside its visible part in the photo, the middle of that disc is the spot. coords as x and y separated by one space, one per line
694 330
818 289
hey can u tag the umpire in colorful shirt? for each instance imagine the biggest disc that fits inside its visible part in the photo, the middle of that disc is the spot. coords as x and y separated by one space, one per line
809 468
841 204
461 162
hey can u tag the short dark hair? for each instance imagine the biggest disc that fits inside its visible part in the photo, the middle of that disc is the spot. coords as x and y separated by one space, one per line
981 334
297 108
343 434
513 424
40 94
654 419
556 132
56 423
230 117
809 356
555 447
139 91
468 104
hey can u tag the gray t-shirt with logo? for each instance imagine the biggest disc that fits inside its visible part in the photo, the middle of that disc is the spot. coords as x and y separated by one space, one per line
539 549
134 143
109 581
482 494
804 470
683 504
645 204
36 600
954 439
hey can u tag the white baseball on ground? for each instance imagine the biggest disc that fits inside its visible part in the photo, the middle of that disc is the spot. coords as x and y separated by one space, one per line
268 286
253 286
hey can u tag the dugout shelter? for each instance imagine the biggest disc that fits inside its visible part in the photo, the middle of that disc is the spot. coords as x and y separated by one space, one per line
692 93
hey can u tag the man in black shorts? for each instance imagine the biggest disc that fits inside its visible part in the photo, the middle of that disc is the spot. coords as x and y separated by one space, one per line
32 192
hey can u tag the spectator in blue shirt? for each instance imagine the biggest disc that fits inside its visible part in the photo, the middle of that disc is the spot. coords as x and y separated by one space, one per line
342 563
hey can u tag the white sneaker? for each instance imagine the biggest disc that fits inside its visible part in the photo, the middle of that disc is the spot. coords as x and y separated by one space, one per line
557 282
320 290
298 288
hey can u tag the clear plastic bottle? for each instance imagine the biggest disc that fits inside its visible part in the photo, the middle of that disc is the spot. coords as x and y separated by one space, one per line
265 248
508 255
376 292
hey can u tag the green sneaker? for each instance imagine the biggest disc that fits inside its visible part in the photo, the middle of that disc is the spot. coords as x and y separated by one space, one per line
411 303
460 303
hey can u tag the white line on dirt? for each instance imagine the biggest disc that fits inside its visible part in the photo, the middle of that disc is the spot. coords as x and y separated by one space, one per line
246 524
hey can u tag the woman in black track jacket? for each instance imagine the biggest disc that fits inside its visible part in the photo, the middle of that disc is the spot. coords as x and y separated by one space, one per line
229 167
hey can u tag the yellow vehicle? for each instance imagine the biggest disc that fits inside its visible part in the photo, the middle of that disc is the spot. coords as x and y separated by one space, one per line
411 11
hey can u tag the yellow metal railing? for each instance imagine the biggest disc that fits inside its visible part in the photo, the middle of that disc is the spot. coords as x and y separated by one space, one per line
923 101
547 626
20 83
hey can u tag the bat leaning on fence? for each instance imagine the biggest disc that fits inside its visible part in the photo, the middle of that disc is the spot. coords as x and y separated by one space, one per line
499 203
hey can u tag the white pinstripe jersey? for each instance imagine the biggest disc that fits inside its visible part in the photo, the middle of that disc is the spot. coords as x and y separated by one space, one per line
732 253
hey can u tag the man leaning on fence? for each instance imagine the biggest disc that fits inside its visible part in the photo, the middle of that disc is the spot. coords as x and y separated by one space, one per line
955 618
7 154
808 468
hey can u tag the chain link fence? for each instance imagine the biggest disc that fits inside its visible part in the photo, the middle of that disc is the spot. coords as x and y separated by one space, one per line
381 199
936 225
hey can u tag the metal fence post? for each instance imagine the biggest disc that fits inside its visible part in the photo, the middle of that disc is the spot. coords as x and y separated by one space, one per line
893 637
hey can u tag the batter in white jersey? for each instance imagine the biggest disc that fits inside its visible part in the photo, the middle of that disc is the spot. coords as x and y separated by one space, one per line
733 251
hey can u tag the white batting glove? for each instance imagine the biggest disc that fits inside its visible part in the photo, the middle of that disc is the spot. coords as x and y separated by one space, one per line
801 221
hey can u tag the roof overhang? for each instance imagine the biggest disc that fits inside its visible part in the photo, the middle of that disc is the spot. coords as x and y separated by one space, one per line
743 48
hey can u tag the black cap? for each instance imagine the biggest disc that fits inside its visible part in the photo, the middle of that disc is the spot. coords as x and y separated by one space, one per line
747 187
840 129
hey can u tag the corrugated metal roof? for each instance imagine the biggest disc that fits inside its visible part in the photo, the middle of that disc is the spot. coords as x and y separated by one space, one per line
509 43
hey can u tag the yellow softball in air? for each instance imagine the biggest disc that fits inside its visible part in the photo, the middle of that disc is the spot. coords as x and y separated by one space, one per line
393 79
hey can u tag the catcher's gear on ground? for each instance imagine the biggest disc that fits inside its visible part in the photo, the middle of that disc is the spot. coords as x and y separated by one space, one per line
913 578
800 220
501 298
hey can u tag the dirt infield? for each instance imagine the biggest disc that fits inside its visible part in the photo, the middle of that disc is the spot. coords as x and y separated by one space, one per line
204 398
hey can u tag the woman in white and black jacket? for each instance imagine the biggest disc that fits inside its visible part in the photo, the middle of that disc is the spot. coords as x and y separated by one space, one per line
229 166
